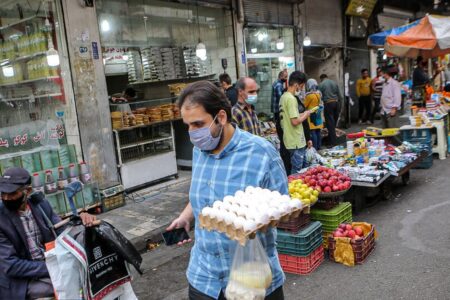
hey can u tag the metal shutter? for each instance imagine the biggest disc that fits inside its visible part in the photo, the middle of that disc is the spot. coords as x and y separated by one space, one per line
324 21
266 12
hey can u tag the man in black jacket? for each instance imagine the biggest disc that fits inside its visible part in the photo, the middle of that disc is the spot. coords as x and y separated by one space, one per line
229 89
24 231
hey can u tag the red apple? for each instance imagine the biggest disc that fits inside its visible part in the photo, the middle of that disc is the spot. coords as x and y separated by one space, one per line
358 231
348 227
327 189
351 234
342 226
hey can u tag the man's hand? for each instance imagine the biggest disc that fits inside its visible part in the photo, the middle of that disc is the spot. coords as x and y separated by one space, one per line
393 112
87 219
180 222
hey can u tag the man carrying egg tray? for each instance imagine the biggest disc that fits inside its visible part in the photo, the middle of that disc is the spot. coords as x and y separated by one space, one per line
225 160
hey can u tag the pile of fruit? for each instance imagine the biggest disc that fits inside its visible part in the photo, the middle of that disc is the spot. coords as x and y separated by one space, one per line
299 190
325 179
347 230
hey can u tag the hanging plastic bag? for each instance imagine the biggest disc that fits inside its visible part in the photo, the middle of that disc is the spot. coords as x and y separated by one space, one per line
250 274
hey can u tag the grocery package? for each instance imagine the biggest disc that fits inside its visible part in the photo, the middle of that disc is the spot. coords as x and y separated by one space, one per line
351 243
242 215
250 273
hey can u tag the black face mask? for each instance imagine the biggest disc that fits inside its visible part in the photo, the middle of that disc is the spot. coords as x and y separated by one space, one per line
14 205
283 80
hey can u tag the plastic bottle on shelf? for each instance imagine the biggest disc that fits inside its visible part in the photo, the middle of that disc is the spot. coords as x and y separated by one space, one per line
85 174
50 183
73 173
37 184
62 178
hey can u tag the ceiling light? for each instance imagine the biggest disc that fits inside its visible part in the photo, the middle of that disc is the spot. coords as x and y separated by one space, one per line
384 56
52 54
254 50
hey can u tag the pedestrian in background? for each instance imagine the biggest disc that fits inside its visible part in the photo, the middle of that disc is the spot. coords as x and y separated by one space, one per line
313 99
243 112
332 98
391 99
228 88
377 89
364 95
278 88
291 121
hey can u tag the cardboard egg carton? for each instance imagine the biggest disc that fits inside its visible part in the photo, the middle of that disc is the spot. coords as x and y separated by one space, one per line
238 234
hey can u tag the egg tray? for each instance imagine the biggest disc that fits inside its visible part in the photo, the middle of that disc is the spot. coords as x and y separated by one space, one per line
240 235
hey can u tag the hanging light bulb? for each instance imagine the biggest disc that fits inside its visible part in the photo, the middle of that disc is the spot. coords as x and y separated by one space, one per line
105 26
52 54
254 50
280 43
200 50
384 56
8 71
306 41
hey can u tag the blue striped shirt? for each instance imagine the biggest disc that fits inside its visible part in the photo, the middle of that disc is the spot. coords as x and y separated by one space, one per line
246 160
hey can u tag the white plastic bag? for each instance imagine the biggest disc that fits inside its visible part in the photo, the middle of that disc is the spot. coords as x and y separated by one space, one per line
250 274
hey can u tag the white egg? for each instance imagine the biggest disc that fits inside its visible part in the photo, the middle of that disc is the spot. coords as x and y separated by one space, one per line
228 199
241 212
206 211
217 204
220 215
285 209
276 194
229 217
266 192
292 205
239 194
263 207
285 197
274 213
239 222
262 218
298 203
249 225
258 189
249 189
234 208
226 206
213 213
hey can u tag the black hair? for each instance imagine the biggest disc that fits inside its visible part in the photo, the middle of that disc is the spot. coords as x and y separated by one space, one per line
364 70
323 76
297 77
208 95
391 70
129 91
225 78
419 59
379 69
281 73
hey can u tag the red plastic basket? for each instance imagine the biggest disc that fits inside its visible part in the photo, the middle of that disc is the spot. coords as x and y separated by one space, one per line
302 265
296 224
361 247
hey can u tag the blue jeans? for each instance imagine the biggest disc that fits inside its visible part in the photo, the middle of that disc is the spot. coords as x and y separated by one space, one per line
316 138
297 159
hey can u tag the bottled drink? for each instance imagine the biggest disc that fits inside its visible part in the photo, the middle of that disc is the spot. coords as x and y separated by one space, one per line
62 178
37 184
85 174
50 183
73 173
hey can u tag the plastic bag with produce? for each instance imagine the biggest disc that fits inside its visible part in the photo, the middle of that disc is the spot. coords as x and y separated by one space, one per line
250 274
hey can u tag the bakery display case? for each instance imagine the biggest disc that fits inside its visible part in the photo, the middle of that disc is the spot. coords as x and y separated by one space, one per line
144 139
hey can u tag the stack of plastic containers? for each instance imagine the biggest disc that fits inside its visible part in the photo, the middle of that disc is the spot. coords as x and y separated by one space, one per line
330 219
301 252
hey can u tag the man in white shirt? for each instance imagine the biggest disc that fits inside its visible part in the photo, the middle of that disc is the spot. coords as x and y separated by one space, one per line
391 99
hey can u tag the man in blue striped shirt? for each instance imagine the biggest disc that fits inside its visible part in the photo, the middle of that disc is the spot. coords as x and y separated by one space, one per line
225 160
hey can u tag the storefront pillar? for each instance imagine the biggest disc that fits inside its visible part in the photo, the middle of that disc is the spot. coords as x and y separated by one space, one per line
90 91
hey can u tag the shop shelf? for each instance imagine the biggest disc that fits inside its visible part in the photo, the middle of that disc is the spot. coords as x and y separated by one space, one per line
296 224
302 265
142 143
361 248
301 243
28 97
29 81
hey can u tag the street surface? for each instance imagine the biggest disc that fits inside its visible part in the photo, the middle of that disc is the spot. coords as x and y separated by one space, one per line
411 259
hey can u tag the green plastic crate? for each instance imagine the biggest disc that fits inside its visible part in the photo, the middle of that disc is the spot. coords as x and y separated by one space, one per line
301 243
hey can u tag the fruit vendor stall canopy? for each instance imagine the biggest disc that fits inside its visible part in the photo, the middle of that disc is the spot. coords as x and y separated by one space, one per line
428 37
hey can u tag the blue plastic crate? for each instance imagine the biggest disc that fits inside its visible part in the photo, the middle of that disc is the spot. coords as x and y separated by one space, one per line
301 243
426 163
417 134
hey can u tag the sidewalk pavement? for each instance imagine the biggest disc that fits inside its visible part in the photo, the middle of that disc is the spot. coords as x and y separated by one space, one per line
148 212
